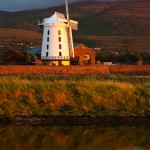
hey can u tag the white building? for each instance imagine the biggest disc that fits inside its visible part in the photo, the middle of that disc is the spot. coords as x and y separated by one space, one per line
57 44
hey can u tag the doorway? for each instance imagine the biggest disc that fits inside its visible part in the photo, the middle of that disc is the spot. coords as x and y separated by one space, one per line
86 59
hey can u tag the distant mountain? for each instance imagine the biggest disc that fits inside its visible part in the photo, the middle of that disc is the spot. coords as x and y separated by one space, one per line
95 18
18 39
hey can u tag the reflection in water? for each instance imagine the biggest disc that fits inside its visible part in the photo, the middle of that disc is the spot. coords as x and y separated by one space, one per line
74 137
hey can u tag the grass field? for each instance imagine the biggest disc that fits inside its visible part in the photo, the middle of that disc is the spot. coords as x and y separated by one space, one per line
74 95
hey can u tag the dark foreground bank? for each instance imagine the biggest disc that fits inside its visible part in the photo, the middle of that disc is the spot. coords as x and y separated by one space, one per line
75 120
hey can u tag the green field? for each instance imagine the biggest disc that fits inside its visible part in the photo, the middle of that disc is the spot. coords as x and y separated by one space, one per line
70 95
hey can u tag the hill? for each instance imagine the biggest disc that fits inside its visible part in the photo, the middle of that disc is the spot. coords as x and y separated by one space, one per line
95 18
17 34
12 37
117 43
16 38
109 25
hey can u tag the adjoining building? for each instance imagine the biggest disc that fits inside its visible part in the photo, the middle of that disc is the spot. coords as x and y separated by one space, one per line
82 55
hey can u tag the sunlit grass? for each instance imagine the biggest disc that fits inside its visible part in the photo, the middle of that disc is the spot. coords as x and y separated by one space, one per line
74 95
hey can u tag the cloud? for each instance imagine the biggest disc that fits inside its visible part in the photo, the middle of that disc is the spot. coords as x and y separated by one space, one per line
19 5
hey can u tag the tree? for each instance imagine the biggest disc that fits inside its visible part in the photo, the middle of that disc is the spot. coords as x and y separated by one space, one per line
14 56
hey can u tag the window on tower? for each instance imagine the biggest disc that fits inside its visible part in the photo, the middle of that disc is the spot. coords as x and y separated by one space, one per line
60 54
48 32
59 39
60 46
47 39
46 54
47 46
59 32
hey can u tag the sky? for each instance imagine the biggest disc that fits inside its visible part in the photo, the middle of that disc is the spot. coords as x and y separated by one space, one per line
19 5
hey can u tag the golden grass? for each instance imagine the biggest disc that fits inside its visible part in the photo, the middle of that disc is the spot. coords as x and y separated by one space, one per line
74 95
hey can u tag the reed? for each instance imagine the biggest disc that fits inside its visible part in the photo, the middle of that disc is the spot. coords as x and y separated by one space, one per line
70 95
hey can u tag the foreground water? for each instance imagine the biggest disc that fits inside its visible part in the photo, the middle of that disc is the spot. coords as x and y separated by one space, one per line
74 137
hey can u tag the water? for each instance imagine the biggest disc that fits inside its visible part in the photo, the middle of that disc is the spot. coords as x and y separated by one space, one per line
74 137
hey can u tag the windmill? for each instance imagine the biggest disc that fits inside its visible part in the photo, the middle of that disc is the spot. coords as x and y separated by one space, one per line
57 43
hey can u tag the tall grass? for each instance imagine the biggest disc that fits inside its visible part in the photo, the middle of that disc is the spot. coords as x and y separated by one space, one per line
74 95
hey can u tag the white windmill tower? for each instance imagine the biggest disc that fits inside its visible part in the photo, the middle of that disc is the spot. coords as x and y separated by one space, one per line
57 44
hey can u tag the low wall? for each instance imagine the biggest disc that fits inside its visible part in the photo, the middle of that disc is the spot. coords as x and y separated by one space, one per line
79 70
73 70
130 69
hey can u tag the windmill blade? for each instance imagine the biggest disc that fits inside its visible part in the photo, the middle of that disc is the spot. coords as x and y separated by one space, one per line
67 10
73 24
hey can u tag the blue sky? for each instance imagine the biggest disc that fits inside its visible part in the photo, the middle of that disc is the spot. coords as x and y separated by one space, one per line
19 5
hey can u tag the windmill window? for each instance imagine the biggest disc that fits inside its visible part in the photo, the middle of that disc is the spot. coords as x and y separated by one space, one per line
59 32
46 54
47 39
60 54
47 46
60 47
59 39
48 32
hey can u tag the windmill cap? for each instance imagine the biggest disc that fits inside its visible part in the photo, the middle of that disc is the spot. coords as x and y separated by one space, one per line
56 17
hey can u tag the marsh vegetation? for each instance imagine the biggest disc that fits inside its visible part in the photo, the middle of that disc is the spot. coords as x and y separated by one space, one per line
74 95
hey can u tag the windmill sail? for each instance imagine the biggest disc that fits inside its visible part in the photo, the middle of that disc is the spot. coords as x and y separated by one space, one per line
73 24
70 41
67 10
